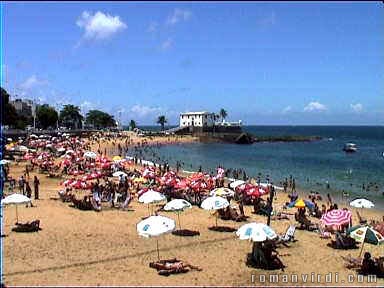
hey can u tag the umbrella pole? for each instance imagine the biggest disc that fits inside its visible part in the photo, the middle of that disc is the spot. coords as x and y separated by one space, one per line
362 246
216 220
17 215
157 247
178 217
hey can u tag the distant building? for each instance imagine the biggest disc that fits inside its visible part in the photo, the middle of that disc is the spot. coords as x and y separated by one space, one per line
197 119
23 107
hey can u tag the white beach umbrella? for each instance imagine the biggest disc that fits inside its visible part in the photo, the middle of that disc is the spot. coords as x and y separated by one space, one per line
177 205
70 151
90 154
236 183
15 199
4 161
361 203
119 173
214 203
155 226
61 149
21 148
9 139
257 232
222 192
151 196
34 136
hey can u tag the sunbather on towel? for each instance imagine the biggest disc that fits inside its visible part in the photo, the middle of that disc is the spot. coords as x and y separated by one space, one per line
165 267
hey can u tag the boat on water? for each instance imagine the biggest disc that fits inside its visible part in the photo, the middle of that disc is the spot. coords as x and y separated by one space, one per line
350 147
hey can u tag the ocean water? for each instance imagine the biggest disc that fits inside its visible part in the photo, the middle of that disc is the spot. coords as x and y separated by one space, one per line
310 163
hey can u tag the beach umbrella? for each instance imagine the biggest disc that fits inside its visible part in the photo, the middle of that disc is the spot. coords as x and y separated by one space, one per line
222 192
119 173
116 158
150 197
177 205
139 180
336 217
4 162
214 203
90 154
15 199
365 233
300 203
155 226
236 183
148 173
257 232
361 203
61 149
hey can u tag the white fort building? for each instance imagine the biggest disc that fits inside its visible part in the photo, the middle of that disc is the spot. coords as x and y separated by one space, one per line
203 119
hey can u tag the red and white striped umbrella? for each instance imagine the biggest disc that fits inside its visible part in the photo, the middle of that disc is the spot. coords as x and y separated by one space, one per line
336 217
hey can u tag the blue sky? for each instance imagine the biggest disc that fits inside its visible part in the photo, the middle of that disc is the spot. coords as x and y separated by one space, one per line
265 63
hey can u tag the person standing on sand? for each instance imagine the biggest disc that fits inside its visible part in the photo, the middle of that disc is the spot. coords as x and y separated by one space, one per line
36 184
293 185
21 184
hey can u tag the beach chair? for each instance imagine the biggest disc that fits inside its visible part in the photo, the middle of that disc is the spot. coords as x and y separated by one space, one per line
289 236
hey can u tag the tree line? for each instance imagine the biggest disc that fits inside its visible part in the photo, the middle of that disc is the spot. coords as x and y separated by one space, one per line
69 116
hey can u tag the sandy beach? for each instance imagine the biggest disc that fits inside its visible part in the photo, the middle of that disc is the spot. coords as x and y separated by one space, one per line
78 247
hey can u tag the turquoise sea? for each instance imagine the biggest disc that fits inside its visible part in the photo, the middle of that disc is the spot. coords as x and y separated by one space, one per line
310 163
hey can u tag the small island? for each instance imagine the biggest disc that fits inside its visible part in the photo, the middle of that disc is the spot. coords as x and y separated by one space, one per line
205 126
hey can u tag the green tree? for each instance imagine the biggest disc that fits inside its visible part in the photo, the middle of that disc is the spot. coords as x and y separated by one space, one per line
9 114
223 114
46 116
132 124
8 111
99 119
161 120
70 117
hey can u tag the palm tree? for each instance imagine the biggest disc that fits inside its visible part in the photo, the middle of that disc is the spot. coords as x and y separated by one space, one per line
161 120
70 116
132 124
223 114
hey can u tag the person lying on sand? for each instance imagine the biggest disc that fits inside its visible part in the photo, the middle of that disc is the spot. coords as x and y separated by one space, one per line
172 266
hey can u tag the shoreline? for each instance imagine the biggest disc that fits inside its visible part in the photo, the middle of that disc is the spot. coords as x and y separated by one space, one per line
336 194
77 248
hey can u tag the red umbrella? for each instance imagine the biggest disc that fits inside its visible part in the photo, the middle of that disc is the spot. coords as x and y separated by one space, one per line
253 192
336 217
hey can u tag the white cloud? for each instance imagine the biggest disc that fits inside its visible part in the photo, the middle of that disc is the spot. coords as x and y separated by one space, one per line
167 44
32 82
178 15
143 111
99 26
152 27
357 108
287 109
315 106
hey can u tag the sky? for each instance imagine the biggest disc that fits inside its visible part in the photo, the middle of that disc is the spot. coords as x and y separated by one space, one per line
276 63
